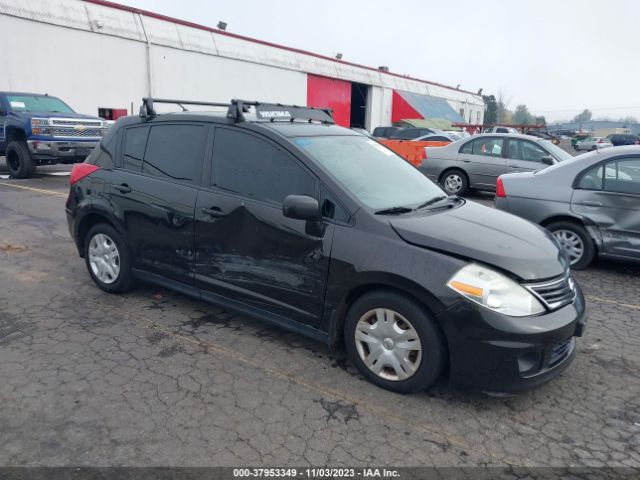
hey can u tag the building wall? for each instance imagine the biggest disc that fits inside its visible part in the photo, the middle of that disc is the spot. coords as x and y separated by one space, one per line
93 55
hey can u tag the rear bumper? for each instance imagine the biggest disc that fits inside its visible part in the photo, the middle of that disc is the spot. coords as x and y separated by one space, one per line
496 353
61 150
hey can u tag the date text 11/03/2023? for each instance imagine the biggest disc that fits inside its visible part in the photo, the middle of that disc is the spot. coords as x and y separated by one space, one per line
315 473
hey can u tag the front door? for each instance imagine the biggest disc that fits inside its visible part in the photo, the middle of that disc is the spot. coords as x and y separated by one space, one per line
525 156
154 193
246 249
609 195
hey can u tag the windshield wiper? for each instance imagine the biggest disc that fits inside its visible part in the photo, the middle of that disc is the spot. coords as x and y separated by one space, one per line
394 211
432 201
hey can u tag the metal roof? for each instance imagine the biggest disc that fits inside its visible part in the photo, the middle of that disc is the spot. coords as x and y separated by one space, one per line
431 107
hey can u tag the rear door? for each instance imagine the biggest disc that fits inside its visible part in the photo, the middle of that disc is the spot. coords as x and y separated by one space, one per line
154 192
483 161
609 195
525 156
247 251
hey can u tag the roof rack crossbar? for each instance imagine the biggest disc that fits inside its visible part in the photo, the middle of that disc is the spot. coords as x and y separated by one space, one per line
237 108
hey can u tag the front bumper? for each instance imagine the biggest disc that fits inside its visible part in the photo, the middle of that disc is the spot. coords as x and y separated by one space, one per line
60 150
496 353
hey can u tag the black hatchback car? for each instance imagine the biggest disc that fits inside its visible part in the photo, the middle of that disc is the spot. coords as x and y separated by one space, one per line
286 217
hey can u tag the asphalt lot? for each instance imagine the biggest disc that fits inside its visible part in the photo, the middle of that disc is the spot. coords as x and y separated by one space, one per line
155 378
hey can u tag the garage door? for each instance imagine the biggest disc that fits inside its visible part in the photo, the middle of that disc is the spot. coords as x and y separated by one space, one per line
330 93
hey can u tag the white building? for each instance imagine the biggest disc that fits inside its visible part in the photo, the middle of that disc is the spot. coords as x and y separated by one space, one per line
102 58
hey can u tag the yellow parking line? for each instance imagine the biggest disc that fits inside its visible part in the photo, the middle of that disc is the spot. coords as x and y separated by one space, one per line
37 190
336 394
613 302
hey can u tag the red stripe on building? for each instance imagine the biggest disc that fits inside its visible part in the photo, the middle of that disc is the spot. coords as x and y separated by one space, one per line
401 110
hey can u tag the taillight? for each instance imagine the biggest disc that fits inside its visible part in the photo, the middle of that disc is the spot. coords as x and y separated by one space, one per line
81 170
424 153
500 189
600 141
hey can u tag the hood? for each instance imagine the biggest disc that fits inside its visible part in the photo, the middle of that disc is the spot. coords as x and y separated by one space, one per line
28 115
486 235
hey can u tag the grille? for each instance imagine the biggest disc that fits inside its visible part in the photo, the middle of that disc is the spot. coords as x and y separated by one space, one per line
70 132
555 293
560 351
73 123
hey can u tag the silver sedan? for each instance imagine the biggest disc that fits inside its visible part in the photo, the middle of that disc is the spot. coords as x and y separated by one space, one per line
476 162
590 203
592 143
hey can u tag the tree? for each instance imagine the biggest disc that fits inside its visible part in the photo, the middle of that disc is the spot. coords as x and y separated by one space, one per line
522 116
490 109
630 119
541 120
504 114
585 116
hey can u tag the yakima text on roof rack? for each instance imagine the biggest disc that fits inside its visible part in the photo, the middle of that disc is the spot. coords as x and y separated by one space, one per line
236 109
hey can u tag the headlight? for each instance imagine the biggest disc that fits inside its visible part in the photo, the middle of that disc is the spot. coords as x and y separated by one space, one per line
35 122
494 291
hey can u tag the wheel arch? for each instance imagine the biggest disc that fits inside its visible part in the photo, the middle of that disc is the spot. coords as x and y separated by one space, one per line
589 226
87 221
451 168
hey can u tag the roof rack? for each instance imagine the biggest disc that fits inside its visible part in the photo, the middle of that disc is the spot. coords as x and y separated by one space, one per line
237 108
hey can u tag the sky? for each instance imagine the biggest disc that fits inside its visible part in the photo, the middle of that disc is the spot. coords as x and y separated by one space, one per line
557 57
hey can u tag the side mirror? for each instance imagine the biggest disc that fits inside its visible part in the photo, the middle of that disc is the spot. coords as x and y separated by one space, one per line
301 207
547 160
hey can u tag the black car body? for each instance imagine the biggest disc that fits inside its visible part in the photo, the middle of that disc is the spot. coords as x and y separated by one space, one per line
618 139
269 218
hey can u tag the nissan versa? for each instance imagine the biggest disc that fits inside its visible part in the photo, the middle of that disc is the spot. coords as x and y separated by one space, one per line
282 215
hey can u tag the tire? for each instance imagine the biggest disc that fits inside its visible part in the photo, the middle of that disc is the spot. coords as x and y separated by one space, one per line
455 182
575 147
419 368
594 148
99 254
568 234
19 161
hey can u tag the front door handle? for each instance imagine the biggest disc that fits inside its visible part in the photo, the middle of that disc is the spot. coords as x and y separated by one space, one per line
214 212
122 188
591 203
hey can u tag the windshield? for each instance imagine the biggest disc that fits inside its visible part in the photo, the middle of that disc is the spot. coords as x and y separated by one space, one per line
36 103
556 151
371 172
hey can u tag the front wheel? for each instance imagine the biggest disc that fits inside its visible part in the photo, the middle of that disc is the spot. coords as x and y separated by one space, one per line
107 258
576 241
19 161
394 342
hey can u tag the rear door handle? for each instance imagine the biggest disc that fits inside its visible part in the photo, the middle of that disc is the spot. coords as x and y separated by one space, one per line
590 203
214 212
122 188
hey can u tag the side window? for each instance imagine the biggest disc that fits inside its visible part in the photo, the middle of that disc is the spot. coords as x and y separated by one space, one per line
467 148
331 207
175 152
525 150
591 179
491 147
255 168
623 176
135 141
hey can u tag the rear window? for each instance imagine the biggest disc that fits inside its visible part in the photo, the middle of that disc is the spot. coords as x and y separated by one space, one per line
135 141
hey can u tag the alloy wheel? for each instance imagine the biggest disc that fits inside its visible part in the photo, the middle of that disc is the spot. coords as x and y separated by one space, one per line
453 183
388 344
104 258
572 243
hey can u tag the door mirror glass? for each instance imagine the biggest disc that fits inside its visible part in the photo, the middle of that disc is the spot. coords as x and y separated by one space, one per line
301 207
547 160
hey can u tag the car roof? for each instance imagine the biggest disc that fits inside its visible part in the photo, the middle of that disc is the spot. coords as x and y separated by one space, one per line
507 135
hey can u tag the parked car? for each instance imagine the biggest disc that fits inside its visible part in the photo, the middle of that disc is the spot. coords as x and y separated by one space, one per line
313 227
546 135
499 129
617 139
476 162
40 129
590 203
435 137
384 132
592 143
411 133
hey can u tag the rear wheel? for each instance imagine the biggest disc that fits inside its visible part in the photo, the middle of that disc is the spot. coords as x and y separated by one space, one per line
107 258
394 342
19 161
594 148
576 241
455 182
